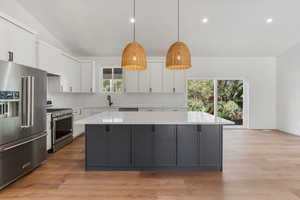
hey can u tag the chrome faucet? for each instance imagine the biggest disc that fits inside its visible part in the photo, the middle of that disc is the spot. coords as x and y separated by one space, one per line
108 98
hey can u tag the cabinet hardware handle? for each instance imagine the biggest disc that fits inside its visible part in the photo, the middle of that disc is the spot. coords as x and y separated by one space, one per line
199 128
91 89
10 56
174 90
150 89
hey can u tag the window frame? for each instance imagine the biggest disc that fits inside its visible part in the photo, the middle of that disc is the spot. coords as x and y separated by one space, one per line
246 90
111 83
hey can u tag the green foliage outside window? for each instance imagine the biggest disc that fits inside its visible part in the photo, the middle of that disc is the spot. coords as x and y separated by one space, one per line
229 103
201 96
230 100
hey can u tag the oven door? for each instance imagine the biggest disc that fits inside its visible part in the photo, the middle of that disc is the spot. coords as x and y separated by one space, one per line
62 128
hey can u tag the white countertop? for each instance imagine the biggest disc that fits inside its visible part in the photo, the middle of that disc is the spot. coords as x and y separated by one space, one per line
172 117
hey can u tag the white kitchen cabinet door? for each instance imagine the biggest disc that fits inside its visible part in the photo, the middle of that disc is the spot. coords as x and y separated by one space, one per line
75 75
70 74
4 40
49 58
88 76
179 81
64 72
144 82
156 72
19 41
168 80
131 81
23 46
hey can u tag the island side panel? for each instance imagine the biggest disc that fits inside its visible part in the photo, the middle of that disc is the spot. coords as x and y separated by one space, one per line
188 146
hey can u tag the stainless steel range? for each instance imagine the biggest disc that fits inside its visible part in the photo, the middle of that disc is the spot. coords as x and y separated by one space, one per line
61 128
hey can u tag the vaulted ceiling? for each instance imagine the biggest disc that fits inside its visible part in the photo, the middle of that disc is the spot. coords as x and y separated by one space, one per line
235 28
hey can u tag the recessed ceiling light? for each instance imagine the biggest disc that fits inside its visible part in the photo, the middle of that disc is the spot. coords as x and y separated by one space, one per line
269 20
132 20
204 20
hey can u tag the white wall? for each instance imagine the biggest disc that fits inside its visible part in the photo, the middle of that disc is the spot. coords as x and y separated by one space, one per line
13 9
288 91
260 73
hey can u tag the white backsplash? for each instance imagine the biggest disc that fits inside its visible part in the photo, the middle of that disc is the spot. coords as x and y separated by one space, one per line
99 100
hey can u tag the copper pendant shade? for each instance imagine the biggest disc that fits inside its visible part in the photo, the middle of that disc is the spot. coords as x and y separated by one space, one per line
133 56
178 56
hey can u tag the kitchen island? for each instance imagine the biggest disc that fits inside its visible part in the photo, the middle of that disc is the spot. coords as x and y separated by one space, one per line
154 141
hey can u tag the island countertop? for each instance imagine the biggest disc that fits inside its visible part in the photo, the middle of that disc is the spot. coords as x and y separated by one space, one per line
172 117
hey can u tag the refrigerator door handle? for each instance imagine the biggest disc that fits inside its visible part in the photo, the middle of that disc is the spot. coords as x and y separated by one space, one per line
31 79
27 102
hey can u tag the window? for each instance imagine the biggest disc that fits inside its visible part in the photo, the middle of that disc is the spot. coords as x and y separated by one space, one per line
112 80
201 96
229 103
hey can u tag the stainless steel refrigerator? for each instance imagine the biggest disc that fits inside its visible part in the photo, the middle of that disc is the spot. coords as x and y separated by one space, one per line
23 96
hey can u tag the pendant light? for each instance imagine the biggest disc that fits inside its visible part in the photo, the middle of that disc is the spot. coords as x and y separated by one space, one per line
134 57
178 56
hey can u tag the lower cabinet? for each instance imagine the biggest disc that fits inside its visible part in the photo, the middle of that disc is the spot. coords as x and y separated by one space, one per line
108 146
143 146
119 146
199 146
210 146
154 147
96 146
164 146
188 146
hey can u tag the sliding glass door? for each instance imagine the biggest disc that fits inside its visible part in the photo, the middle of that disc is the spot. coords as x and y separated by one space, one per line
222 98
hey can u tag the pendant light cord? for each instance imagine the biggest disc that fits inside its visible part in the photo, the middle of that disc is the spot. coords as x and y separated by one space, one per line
134 20
178 24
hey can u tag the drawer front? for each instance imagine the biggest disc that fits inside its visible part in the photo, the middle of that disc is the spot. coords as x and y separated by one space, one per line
22 159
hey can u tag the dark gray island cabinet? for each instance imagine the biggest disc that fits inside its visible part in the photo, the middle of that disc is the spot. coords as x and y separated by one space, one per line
139 147
154 141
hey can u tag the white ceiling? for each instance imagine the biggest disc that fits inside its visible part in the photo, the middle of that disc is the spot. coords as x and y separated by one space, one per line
236 28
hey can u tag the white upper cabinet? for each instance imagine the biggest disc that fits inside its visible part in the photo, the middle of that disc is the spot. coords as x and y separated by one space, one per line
88 69
19 41
70 74
23 46
156 79
4 40
168 80
174 81
144 81
179 81
49 58
156 72
131 81
75 75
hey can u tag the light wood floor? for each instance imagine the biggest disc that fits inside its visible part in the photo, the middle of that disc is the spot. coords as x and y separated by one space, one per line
257 165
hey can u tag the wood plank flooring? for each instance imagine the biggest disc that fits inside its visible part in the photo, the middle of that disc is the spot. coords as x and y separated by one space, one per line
257 165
